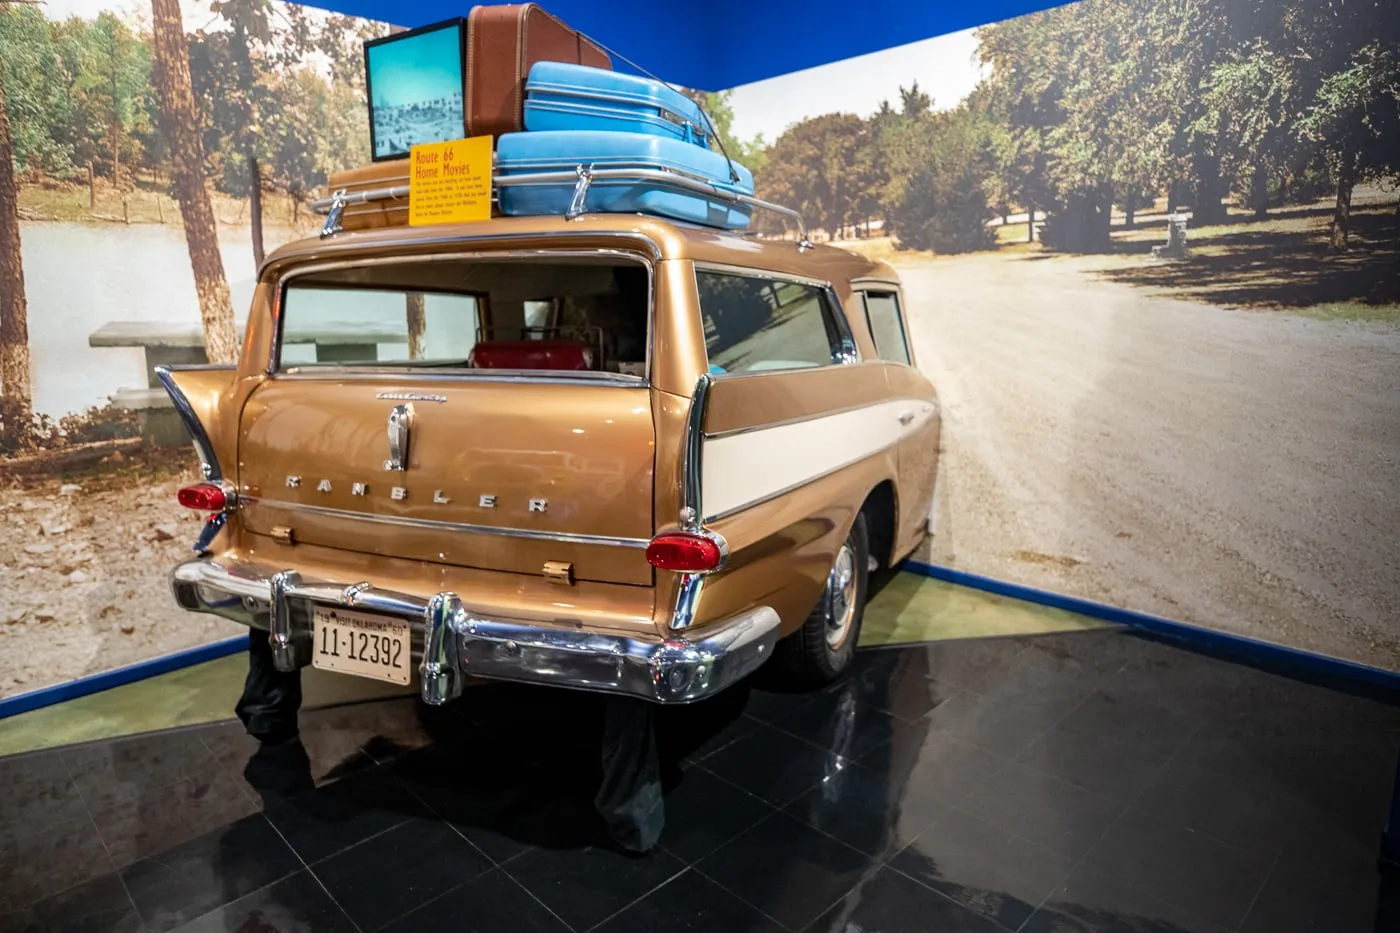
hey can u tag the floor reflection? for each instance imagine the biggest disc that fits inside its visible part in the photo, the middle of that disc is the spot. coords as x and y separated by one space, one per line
1089 782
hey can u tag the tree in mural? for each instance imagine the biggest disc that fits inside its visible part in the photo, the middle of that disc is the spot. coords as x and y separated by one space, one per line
824 167
14 319
901 140
416 319
256 50
172 78
1088 122
249 19
945 205
1355 116
113 86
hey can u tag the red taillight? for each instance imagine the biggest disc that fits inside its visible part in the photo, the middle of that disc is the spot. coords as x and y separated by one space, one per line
687 553
203 497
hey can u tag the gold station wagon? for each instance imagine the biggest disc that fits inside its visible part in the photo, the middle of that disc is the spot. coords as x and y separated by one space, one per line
611 453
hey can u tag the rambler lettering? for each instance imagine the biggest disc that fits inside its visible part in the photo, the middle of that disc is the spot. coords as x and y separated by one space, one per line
438 496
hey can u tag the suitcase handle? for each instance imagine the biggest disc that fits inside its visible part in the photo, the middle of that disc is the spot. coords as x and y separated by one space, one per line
709 123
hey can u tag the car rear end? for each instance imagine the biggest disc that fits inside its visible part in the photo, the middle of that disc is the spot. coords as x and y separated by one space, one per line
462 455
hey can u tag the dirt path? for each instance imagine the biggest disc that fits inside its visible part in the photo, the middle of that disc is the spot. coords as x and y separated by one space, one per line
1235 469
86 571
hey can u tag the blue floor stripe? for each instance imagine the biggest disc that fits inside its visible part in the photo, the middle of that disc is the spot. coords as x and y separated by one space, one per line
1259 653
94 683
1236 647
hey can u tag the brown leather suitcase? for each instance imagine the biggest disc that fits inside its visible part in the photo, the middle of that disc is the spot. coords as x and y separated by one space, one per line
502 43
387 213
391 212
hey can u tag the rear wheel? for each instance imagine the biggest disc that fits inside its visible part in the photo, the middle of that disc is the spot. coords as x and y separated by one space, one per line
822 648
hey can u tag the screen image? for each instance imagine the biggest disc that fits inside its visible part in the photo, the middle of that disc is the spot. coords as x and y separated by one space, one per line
415 86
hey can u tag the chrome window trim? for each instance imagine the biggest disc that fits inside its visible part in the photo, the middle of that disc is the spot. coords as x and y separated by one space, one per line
881 288
368 241
530 376
692 455
867 281
286 278
759 374
459 527
849 351
692 508
749 272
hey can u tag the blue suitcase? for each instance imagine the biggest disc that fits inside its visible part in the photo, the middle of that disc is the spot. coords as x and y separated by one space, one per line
566 150
560 96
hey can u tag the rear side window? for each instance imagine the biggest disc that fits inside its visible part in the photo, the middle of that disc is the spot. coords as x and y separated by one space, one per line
886 326
755 324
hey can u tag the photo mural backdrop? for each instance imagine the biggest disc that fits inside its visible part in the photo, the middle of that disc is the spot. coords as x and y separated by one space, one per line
1206 426
152 153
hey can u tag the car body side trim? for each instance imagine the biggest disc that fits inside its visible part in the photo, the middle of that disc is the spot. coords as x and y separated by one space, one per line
457 527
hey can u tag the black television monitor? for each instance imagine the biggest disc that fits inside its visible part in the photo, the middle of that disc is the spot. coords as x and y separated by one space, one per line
416 82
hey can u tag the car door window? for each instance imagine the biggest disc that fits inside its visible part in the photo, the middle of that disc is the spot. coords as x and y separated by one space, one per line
887 327
755 324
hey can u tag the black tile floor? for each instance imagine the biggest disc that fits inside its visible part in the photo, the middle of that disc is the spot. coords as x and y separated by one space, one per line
1089 782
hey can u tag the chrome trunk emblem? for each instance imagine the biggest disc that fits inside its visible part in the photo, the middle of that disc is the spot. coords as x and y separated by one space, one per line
400 426
411 397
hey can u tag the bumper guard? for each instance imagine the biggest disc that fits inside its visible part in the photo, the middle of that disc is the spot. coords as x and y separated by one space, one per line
457 643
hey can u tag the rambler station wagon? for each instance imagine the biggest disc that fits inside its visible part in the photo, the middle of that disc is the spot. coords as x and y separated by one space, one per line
604 452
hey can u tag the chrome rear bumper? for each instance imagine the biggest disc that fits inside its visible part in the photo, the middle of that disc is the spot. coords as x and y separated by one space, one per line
452 642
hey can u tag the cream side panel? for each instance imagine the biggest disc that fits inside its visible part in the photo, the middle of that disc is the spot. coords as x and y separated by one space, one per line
743 469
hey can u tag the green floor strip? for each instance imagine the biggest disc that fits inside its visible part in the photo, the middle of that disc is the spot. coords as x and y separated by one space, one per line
189 697
909 608
912 608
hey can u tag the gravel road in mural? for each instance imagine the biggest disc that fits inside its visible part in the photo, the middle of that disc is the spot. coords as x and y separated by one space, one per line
86 576
1236 469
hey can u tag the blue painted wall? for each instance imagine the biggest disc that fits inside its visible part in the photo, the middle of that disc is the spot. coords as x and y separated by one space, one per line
716 45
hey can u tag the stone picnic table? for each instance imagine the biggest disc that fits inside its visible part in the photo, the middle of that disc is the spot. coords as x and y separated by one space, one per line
167 344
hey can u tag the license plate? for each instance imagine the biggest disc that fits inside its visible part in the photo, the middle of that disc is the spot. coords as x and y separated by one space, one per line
377 647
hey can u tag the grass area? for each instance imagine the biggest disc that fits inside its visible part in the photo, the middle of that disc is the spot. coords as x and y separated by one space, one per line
1284 261
1011 235
148 204
1354 311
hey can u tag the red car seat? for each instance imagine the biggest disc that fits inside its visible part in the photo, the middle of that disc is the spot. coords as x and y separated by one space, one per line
532 354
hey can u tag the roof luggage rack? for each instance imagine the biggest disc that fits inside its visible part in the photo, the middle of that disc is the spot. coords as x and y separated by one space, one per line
583 177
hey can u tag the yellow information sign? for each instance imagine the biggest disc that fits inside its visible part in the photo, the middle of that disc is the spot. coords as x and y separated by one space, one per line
450 183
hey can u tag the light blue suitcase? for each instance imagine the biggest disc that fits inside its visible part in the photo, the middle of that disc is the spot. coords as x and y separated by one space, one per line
560 96
567 150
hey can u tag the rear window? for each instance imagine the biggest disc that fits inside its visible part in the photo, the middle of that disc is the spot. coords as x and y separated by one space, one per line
561 315
755 324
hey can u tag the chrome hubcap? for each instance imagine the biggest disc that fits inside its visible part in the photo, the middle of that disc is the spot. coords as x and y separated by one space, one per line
841 594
